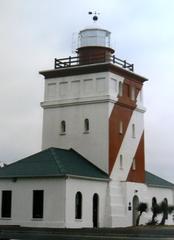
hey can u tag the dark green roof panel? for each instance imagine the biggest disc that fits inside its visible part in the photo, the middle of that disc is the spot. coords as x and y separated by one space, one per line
53 162
154 181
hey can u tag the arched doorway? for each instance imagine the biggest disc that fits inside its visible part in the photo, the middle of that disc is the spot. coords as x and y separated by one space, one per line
95 210
135 203
78 205
166 203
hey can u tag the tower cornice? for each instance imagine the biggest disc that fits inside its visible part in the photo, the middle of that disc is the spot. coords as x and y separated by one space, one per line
92 68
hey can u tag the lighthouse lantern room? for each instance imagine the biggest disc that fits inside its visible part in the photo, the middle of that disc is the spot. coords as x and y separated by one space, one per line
94 37
94 45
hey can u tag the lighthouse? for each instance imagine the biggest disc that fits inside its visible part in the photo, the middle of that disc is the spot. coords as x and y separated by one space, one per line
90 171
93 104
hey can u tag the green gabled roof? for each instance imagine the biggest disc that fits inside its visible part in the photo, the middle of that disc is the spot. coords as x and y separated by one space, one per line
53 162
154 181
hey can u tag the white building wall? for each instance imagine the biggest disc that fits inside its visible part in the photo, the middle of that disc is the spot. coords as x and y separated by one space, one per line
59 202
140 190
76 87
160 194
88 188
144 194
92 144
22 202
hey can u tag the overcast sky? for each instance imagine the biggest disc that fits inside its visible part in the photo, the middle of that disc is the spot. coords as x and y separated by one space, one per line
34 32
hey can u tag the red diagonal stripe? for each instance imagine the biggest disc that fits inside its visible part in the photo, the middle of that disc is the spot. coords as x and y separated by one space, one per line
122 111
138 174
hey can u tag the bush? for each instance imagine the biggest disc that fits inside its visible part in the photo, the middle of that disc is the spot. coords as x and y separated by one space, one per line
142 207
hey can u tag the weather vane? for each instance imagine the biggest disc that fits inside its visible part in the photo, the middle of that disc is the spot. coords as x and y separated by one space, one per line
95 17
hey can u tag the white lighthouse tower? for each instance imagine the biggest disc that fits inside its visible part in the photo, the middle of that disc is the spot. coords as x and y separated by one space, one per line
78 95
94 106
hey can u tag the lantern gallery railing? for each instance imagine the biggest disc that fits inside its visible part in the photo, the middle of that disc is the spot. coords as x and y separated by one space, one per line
92 59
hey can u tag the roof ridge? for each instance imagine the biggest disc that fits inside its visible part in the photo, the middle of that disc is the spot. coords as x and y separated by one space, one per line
58 163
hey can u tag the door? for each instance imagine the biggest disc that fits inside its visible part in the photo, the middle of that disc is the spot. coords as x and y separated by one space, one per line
135 203
95 210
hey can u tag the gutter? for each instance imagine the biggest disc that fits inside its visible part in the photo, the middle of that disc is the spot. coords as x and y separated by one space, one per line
15 178
159 186
88 178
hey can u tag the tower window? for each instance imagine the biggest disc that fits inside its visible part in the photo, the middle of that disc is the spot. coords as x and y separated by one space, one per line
141 95
86 125
133 130
133 93
121 161
121 127
38 196
63 127
127 90
120 89
6 204
134 164
78 205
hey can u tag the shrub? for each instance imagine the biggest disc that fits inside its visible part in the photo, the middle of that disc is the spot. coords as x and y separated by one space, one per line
142 207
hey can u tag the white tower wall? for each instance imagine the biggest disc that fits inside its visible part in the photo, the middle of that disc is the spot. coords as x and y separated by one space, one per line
74 99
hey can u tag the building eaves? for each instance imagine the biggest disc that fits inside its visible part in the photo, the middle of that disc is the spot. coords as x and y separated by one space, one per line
92 68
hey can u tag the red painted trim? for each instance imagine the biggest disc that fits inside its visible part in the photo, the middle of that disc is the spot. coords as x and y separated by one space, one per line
138 175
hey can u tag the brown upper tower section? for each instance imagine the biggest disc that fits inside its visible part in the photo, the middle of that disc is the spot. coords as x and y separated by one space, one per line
94 54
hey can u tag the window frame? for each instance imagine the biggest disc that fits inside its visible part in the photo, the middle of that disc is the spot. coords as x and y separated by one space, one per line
6 211
120 89
63 127
133 131
134 164
133 93
121 129
38 213
78 205
86 125
121 161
